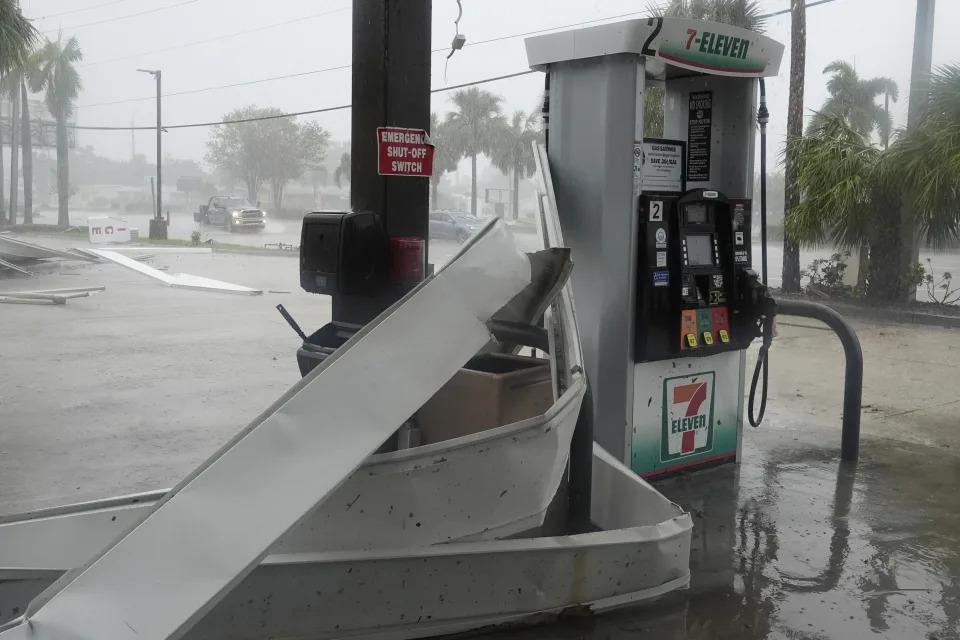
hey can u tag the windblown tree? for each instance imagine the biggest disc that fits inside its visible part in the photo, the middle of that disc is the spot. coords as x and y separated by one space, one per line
513 153
854 193
925 162
17 38
257 145
854 99
444 158
342 173
473 129
57 76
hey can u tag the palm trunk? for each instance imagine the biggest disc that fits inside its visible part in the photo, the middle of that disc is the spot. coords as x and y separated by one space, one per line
516 192
863 266
435 186
3 217
473 185
63 172
886 252
27 156
798 54
14 152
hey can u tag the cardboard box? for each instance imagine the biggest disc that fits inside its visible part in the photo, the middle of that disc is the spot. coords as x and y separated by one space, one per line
492 390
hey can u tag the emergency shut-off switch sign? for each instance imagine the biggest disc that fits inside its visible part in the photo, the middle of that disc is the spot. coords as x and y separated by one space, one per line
404 152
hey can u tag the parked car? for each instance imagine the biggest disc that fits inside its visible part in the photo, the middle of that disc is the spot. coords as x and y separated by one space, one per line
232 213
449 226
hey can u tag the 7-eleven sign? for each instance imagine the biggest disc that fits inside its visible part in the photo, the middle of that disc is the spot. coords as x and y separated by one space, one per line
687 416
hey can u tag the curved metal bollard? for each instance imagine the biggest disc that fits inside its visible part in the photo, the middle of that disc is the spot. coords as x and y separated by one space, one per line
853 384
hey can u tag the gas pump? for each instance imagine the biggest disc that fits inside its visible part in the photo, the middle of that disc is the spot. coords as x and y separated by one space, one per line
660 228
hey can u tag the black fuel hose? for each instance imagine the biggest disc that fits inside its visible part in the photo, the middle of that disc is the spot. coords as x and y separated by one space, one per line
762 367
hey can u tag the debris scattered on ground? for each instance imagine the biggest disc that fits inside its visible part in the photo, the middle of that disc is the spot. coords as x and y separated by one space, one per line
177 281
48 296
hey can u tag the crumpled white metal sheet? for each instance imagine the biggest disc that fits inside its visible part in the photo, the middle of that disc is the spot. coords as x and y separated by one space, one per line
484 486
201 540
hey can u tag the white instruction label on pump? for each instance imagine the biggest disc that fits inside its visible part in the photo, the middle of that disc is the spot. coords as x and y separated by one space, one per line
738 236
661 258
656 211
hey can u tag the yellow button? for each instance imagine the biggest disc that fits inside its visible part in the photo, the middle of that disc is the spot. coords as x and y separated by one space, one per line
707 338
692 340
724 336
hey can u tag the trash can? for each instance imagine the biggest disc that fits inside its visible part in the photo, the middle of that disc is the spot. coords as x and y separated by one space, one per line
322 343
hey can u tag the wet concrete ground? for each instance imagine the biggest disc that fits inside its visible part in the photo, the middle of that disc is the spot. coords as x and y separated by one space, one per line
130 389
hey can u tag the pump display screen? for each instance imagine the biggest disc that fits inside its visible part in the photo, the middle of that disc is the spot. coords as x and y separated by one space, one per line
700 250
695 214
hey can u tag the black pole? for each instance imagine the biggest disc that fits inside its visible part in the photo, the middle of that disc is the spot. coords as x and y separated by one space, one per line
391 87
853 381
763 117
159 152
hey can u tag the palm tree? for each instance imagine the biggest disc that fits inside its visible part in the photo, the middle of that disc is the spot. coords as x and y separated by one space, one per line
925 161
17 36
740 13
29 69
513 154
855 100
342 172
798 68
473 129
11 91
58 76
444 159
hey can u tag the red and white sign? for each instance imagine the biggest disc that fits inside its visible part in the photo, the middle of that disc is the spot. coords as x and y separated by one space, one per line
404 152
107 230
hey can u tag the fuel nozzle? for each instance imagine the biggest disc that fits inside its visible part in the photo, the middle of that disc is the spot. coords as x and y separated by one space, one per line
757 303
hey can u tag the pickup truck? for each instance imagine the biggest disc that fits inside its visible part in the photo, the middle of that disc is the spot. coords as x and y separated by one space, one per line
232 213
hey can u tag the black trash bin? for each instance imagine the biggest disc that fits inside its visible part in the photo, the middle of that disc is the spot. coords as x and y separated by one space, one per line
322 343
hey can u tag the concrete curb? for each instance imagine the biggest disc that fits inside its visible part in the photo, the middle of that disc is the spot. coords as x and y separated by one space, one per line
893 315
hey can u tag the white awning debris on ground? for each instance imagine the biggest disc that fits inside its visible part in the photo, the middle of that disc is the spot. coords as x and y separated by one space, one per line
48 296
200 541
177 281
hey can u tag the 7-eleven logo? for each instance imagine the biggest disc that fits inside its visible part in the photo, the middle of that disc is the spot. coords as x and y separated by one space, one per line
687 416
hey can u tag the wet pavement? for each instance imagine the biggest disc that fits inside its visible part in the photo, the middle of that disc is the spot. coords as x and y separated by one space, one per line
130 389
797 545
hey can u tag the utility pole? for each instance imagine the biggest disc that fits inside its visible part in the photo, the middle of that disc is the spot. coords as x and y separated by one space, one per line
158 229
919 75
391 87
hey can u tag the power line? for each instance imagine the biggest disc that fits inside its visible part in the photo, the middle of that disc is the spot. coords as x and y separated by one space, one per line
214 88
347 66
223 37
340 67
785 11
124 17
297 113
95 6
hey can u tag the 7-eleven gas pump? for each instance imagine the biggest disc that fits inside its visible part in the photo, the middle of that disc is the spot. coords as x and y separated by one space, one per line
660 228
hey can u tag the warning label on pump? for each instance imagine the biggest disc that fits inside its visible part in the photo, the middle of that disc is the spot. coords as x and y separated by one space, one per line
698 136
404 152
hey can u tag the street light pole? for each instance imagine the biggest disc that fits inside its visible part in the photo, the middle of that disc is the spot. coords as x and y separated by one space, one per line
155 226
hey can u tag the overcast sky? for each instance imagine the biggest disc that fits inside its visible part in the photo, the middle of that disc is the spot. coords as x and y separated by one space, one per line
876 35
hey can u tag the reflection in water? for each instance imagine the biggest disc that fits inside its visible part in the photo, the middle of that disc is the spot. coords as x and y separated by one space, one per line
795 544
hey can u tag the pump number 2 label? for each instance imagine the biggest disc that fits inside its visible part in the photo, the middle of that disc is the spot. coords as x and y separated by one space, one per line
656 211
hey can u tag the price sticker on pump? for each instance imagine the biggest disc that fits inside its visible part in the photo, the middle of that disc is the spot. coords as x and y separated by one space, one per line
404 152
